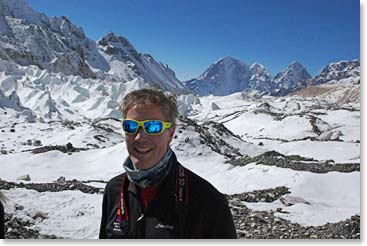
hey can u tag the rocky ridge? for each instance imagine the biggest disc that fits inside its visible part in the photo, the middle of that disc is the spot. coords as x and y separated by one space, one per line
296 162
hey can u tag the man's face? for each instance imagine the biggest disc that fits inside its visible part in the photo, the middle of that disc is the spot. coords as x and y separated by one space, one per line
145 150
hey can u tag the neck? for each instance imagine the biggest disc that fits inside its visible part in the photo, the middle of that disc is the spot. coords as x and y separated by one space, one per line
151 176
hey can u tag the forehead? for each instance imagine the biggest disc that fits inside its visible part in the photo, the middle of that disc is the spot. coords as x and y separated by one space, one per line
142 111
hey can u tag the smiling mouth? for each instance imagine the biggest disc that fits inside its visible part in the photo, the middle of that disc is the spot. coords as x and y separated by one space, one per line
143 151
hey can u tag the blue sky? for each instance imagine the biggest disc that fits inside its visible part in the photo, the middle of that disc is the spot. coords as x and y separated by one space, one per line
189 35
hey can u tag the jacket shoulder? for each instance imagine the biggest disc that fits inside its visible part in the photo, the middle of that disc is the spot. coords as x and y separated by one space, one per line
201 189
115 183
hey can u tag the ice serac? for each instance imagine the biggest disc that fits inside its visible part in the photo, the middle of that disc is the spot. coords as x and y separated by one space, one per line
13 102
56 44
291 79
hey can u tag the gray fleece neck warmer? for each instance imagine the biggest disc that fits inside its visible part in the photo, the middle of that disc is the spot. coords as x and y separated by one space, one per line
152 176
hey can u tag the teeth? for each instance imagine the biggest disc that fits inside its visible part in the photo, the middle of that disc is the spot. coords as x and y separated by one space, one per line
143 150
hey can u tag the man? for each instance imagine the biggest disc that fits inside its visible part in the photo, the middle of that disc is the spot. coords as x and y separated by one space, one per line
157 197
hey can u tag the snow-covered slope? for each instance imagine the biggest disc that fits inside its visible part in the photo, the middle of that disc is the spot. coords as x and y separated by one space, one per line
126 64
210 143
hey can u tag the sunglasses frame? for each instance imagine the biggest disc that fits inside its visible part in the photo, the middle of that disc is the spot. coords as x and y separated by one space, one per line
165 125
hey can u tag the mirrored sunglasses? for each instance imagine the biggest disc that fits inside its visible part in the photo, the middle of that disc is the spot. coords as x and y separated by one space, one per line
151 127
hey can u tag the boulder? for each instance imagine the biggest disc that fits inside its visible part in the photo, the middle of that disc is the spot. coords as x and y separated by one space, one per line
25 177
325 136
291 200
37 142
214 106
335 135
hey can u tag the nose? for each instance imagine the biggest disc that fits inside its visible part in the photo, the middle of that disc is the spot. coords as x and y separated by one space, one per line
140 134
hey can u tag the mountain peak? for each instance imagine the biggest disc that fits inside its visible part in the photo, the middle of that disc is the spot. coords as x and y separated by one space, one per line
342 71
111 37
256 66
292 78
296 65
228 60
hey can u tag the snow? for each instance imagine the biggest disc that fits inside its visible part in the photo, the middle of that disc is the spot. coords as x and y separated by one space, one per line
47 167
70 214
56 106
332 196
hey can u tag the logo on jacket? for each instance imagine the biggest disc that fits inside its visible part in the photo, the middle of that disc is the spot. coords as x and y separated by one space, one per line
161 226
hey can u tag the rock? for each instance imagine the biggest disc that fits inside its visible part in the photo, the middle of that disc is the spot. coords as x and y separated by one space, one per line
37 142
335 135
29 142
325 136
12 130
24 177
69 146
214 106
96 146
40 215
61 179
18 207
291 200
277 220
296 162
16 228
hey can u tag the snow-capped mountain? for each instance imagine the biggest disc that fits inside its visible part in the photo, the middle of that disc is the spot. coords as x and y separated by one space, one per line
56 44
342 72
125 63
290 79
260 79
229 75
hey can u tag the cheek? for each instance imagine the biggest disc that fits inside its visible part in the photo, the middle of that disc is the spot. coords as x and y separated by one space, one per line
129 140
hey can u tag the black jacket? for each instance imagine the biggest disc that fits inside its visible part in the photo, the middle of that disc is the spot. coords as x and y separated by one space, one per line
204 213
2 232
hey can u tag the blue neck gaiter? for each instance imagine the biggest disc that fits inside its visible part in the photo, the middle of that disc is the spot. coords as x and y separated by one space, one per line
152 176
